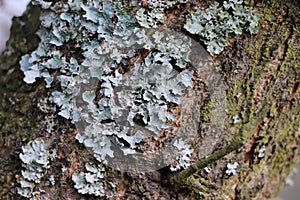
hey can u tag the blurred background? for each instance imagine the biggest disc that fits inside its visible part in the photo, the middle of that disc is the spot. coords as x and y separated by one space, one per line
10 8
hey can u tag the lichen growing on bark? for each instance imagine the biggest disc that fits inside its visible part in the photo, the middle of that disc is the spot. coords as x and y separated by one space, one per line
245 65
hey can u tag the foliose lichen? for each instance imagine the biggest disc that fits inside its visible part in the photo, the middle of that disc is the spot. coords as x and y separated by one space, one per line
154 14
91 181
36 160
183 160
163 5
231 168
118 76
216 24
143 93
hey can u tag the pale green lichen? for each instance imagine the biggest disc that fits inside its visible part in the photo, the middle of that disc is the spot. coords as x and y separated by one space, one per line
154 16
217 24
149 19
183 160
144 92
90 182
36 160
87 47
163 5
231 168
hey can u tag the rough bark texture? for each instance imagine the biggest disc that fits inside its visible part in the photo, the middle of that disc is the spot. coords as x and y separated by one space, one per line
262 70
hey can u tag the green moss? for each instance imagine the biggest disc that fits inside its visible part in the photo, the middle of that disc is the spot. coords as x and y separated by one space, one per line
274 54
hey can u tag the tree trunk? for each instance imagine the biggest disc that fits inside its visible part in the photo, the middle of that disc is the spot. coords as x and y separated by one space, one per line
261 75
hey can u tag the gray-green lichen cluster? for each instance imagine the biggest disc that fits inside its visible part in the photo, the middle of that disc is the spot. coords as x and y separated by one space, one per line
151 18
91 181
184 157
217 23
163 5
144 92
36 160
118 75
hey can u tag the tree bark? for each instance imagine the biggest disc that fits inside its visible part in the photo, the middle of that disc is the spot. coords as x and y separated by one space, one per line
261 73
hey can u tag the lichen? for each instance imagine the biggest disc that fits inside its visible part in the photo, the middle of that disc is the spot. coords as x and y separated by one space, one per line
217 24
119 78
111 106
231 168
91 181
36 160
